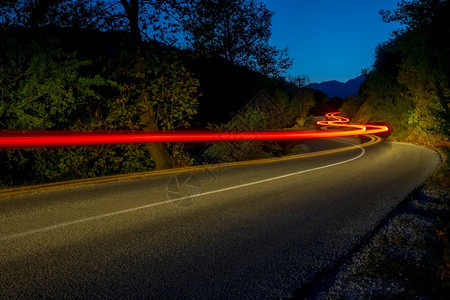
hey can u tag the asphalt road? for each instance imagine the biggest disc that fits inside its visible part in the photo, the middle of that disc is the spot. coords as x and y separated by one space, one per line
258 231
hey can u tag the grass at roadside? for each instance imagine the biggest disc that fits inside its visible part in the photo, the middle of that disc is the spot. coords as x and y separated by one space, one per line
441 180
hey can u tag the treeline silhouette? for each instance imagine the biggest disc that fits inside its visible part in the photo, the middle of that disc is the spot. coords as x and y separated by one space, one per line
408 86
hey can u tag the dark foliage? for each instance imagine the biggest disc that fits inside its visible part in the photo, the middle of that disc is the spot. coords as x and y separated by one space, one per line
409 84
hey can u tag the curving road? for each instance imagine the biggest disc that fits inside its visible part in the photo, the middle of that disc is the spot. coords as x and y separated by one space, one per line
256 231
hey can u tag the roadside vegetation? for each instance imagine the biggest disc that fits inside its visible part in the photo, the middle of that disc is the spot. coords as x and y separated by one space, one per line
129 65
408 87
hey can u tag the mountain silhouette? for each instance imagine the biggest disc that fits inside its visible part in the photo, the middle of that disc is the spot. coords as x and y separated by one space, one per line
339 89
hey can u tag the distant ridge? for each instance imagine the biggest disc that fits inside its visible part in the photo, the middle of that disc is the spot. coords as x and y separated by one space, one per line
339 89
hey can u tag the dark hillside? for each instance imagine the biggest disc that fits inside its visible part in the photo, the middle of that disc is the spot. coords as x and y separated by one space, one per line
226 88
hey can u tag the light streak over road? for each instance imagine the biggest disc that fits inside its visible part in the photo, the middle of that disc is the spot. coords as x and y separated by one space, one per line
23 139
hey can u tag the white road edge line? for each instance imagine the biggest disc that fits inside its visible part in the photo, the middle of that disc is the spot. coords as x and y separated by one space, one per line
65 224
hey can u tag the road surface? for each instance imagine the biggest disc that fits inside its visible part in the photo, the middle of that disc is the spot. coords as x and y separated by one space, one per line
257 231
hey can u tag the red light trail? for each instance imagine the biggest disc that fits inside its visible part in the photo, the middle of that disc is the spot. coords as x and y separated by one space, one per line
24 139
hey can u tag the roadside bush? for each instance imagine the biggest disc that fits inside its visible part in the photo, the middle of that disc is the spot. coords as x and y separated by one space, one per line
269 113
48 86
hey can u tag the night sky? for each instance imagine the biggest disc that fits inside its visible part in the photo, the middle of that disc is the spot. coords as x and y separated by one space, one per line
329 39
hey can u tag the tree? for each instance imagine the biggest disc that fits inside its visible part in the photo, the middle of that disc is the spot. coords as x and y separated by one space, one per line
425 68
239 31
57 82
302 98
415 13
133 15
158 151
350 107
62 13
409 84
44 88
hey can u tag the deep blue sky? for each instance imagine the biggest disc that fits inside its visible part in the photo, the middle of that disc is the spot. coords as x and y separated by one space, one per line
329 39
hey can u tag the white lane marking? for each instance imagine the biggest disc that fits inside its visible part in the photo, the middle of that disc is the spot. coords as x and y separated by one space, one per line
65 224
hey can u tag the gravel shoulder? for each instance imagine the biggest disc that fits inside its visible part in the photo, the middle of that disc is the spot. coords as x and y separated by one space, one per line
406 257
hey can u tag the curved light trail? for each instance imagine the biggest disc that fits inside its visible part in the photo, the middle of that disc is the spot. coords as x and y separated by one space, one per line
24 139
